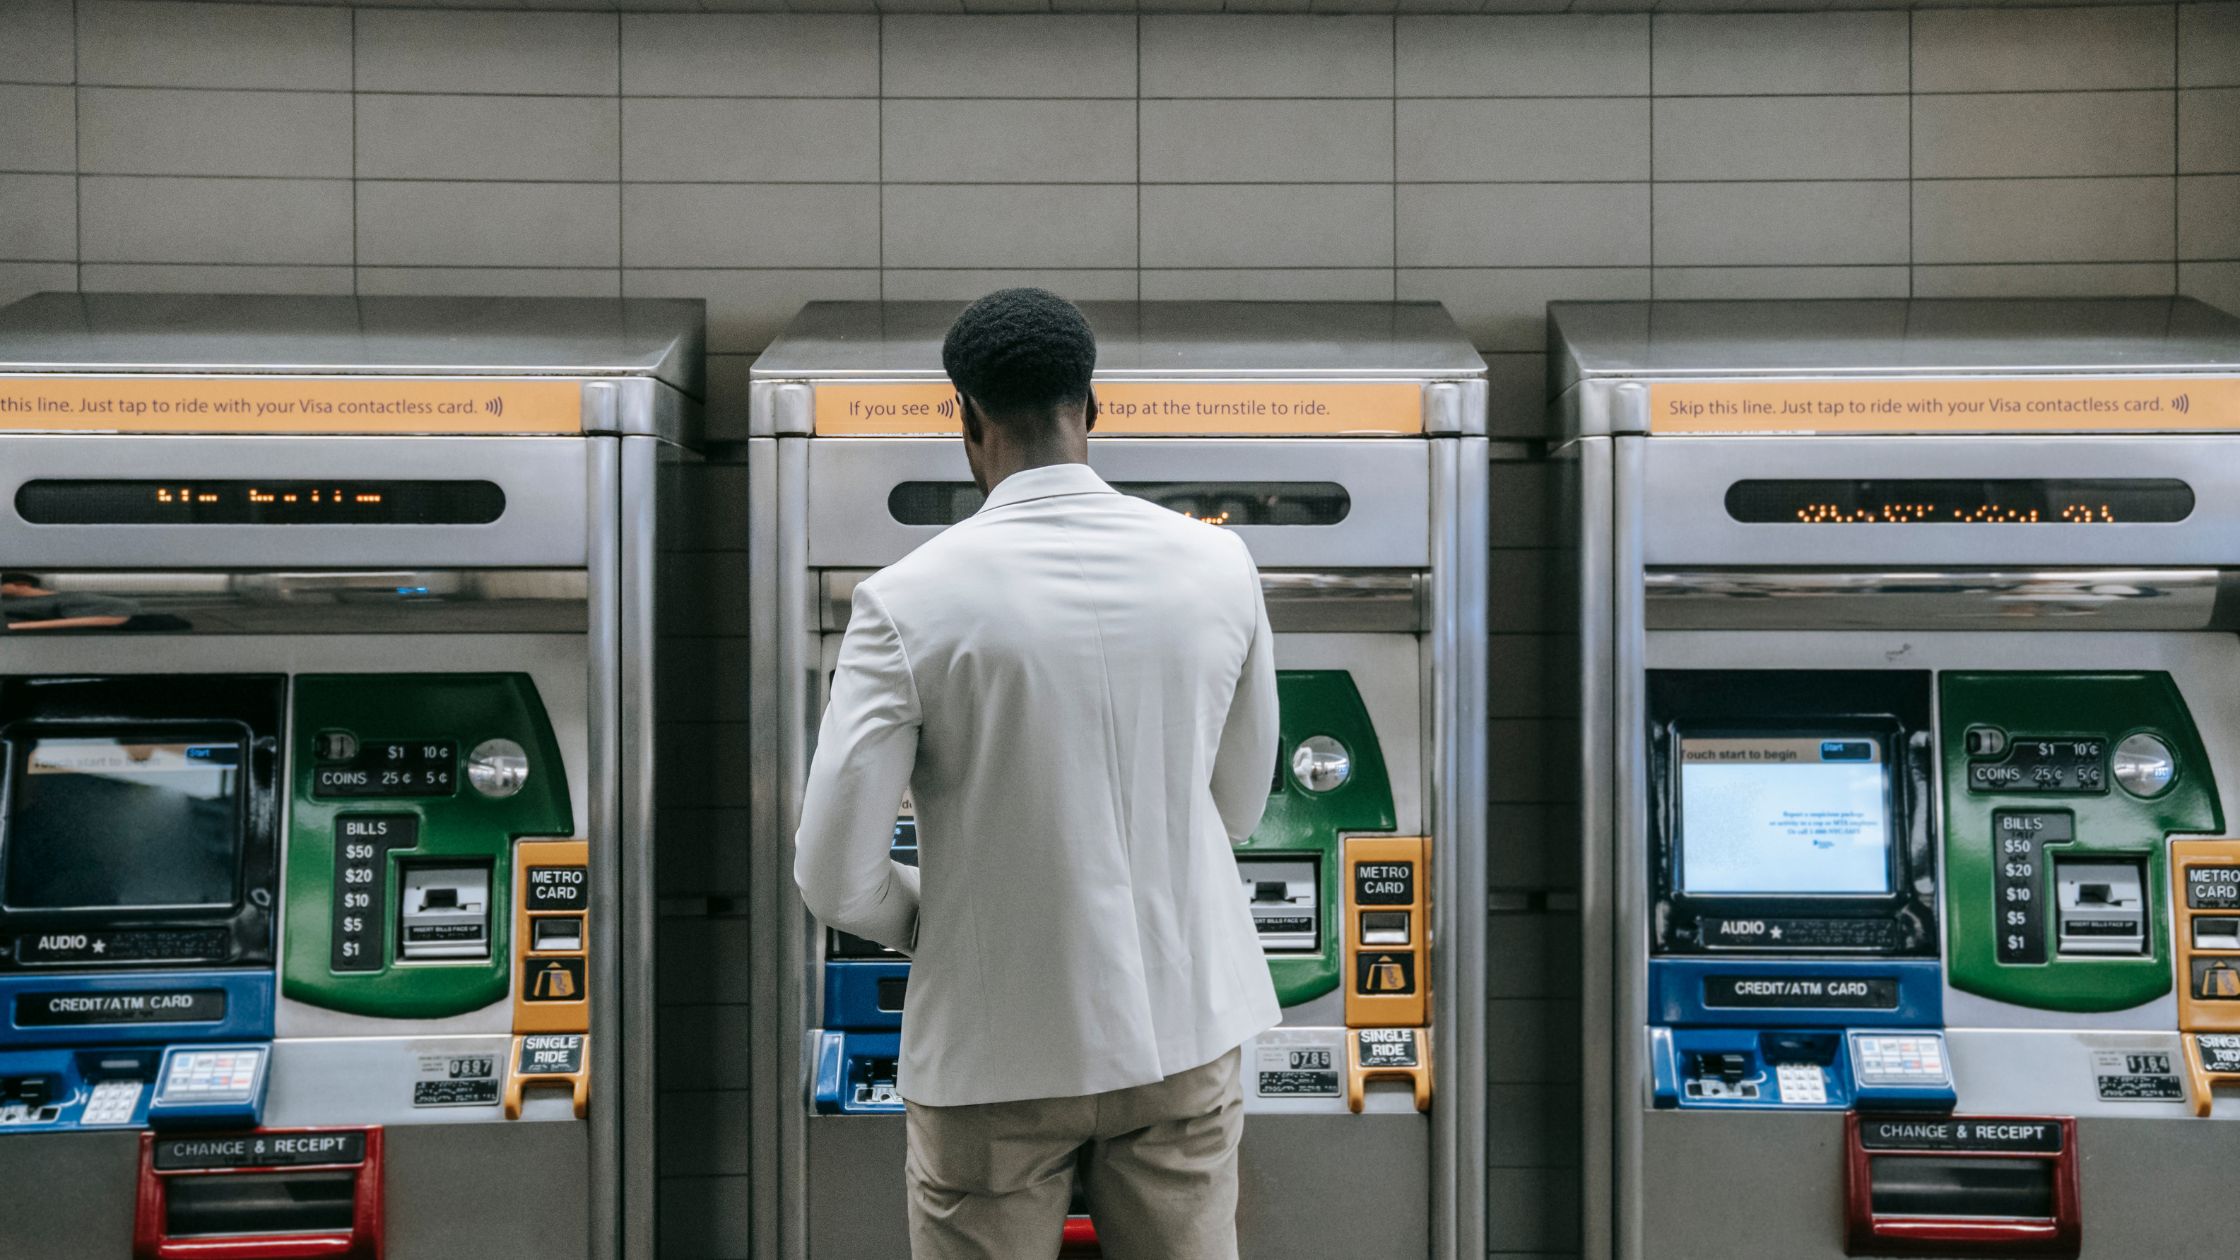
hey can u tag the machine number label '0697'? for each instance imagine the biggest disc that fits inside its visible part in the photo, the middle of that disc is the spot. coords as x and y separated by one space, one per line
1296 1070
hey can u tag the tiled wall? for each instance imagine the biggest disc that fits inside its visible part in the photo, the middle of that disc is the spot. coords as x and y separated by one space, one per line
758 160
1492 162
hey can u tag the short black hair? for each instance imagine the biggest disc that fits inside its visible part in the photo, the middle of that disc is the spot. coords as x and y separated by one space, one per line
1021 354
16 577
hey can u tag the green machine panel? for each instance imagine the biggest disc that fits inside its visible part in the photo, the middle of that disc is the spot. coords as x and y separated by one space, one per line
399 872
1303 824
2055 868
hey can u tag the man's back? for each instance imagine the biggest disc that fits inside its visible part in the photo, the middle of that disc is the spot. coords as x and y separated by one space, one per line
1076 658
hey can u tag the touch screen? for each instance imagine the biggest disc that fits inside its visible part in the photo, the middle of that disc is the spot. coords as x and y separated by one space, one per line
111 822
1780 815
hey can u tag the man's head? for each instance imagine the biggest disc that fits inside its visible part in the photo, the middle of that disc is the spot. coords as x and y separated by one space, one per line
1021 360
21 585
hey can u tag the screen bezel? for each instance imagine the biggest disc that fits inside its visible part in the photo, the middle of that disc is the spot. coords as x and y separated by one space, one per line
245 706
1882 735
20 738
1892 706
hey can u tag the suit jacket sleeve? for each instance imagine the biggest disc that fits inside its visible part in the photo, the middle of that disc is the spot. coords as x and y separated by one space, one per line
866 750
1248 739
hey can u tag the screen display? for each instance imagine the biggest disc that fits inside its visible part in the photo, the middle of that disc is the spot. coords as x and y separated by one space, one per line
189 501
113 823
1784 815
1214 502
2074 501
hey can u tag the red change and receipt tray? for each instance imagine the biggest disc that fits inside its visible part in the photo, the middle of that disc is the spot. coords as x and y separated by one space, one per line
263 1194
1950 1185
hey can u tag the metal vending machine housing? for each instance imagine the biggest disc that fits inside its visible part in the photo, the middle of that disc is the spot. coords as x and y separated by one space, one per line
1344 443
326 721
1907 652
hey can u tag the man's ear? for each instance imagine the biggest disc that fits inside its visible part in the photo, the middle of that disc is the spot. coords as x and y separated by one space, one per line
970 416
1091 411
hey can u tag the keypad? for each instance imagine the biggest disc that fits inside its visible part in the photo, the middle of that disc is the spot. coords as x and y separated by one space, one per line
211 1076
1891 1060
112 1102
1802 1083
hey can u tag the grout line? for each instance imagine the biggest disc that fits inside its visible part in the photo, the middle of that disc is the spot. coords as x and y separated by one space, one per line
879 80
2177 148
78 155
621 226
1394 105
1913 167
1649 33
355 186
1139 154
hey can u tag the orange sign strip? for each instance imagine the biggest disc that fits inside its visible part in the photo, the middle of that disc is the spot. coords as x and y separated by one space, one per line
268 404
1954 405
1148 408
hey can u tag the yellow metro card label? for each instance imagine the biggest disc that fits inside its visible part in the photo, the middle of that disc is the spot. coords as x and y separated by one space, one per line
1147 408
2126 404
270 404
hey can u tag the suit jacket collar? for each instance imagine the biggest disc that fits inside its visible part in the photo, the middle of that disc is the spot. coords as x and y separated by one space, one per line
1048 481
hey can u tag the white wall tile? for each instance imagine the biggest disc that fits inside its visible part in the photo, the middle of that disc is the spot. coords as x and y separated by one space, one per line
21 280
545 54
1724 283
2209 45
2022 50
750 55
746 308
750 225
1524 140
1749 54
763 139
136 220
962 284
1506 309
41 40
1267 225
417 223
2217 283
38 218
1524 55
1523 225
1269 284
2043 133
1023 56
1010 225
1732 224
152 131
2042 220
1243 55
1804 137
1205 141
2209 216
38 128
2209 131
492 281
488 137
2046 280
213 45
177 278
1010 142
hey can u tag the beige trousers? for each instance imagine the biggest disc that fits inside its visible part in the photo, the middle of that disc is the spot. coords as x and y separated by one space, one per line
1159 1164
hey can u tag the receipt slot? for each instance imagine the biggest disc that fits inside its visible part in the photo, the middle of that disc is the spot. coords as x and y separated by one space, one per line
326 718
1343 443
271 1194
1908 713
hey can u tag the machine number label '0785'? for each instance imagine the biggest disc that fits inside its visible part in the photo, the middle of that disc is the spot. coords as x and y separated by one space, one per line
2136 1076
1296 1070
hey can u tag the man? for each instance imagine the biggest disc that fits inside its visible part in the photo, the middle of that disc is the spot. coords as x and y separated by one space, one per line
1079 689
26 605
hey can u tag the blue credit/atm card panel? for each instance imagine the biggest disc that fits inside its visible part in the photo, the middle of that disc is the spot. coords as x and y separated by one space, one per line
1793 993
865 996
1895 1069
81 1051
855 1073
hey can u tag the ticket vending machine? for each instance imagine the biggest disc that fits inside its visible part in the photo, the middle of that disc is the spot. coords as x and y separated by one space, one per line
1909 648
325 772
1345 444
